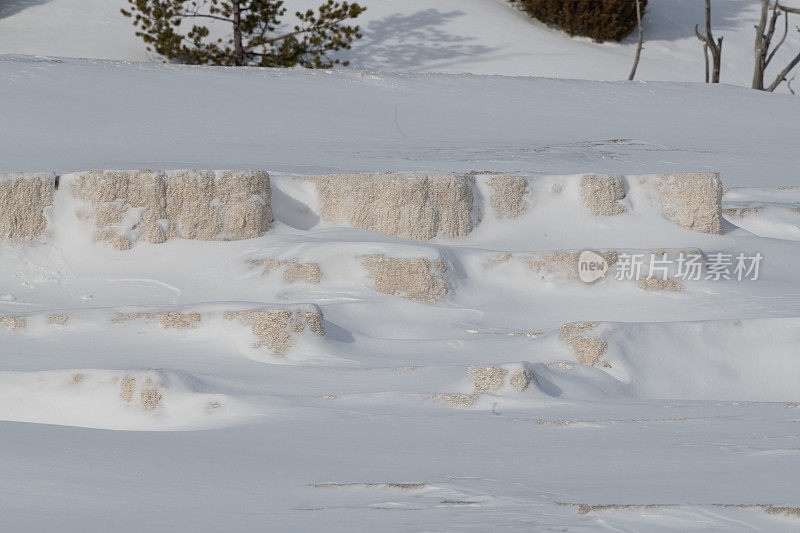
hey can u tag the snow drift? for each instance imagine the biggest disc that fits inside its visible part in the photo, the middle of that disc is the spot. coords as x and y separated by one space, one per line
256 329
754 360
116 399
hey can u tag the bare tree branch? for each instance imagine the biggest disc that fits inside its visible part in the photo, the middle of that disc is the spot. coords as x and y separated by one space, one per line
715 47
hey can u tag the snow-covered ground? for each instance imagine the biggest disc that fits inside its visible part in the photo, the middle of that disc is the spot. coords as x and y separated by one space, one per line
452 36
132 395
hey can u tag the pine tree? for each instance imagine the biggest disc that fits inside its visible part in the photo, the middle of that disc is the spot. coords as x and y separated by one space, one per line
163 25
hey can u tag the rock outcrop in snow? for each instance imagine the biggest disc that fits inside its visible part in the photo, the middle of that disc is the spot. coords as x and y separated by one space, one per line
113 399
561 264
602 194
415 278
693 200
292 270
589 349
492 380
273 328
412 206
25 198
507 195
276 329
156 205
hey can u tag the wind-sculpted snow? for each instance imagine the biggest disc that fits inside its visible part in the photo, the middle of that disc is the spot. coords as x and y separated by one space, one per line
116 399
255 329
469 337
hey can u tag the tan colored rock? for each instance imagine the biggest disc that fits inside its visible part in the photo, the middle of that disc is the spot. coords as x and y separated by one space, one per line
741 212
415 278
507 196
602 194
276 328
149 395
160 205
24 200
127 386
588 350
293 270
521 378
502 258
576 328
168 320
659 284
57 319
560 264
693 200
14 323
150 398
418 207
458 400
487 379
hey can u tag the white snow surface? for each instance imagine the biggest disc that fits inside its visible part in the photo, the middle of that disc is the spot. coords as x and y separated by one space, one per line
692 426
449 36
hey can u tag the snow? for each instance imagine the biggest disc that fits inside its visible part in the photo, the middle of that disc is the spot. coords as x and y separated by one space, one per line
449 36
689 422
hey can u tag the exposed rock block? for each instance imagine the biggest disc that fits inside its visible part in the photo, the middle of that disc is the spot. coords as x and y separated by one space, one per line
293 270
588 350
602 194
168 320
413 278
458 400
693 200
508 195
561 264
157 205
25 198
149 395
659 284
276 329
418 207
489 379
13 323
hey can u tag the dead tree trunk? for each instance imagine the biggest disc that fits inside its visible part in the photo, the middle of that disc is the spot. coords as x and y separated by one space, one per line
765 31
639 44
710 45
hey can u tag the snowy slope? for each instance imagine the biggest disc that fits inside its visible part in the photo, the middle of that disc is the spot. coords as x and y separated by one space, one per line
452 36
111 419
134 394
96 114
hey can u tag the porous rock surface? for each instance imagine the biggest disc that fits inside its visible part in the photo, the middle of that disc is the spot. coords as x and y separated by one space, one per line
601 194
276 329
588 350
24 200
693 200
411 206
508 195
157 205
412 278
293 270
561 264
